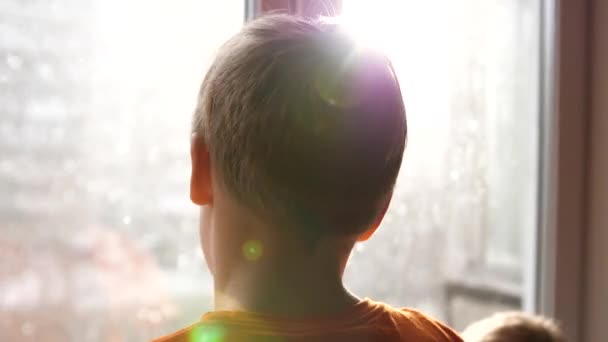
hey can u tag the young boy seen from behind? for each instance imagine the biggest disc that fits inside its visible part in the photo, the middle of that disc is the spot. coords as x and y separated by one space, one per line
297 141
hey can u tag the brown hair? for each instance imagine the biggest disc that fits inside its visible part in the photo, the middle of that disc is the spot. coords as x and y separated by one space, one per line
303 124
513 327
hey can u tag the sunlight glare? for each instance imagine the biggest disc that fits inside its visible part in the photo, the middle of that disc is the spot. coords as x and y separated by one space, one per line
374 26
417 36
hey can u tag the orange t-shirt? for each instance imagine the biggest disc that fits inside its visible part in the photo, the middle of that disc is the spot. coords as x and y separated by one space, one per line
368 321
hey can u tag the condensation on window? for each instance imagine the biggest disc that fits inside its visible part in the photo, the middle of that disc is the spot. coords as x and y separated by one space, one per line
457 234
98 239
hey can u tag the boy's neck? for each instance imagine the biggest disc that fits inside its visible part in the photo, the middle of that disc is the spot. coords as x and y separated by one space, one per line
288 284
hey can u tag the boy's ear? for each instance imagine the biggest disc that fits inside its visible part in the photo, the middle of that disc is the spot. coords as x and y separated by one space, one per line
200 179
368 233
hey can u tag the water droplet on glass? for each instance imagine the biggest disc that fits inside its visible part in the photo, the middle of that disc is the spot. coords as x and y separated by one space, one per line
45 71
182 261
14 62
454 175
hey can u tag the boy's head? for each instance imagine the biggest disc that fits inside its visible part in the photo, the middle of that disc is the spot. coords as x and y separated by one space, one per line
300 125
513 327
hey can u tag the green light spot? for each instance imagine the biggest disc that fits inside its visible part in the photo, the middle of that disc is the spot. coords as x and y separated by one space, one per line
253 250
213 333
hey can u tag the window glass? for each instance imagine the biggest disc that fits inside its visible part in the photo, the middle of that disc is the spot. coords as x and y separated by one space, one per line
455 239
99 241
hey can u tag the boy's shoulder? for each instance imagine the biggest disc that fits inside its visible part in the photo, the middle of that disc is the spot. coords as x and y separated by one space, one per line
424 327
376 320
199 331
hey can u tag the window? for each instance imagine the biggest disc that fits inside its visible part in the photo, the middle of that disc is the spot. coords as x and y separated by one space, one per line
456 239
98 239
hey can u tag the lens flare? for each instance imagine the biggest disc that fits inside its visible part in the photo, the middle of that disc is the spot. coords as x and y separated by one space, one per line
207 333
253 250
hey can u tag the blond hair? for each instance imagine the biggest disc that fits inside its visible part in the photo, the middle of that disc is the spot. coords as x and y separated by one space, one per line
303 125
513 327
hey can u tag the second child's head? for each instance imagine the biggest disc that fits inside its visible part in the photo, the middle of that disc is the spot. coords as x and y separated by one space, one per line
298 135
513 327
